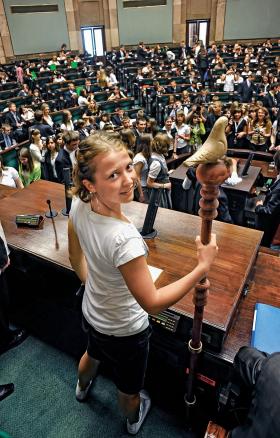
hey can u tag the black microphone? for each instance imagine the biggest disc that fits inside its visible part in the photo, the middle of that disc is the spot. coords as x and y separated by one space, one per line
51 213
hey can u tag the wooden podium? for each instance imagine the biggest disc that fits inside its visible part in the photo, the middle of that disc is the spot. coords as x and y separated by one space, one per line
173 251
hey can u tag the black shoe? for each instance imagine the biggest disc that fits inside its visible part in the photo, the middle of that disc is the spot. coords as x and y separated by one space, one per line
6 390
18 336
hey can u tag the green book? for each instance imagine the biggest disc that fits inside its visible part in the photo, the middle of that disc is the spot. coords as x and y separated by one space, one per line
74 64
33 75
53 67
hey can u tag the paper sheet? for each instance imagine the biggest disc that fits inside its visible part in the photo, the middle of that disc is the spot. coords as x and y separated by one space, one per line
155 272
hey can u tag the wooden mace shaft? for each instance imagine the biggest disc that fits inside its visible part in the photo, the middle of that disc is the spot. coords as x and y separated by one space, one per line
210 176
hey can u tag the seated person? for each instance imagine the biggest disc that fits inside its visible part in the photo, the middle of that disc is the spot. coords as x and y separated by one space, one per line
268 211
260 372
9 176
7 143
116 94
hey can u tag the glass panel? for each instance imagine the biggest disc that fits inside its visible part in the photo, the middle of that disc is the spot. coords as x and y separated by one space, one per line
192 37
88 43
202 32
98 42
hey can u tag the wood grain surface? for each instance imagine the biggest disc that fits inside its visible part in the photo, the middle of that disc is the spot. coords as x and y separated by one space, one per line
173 250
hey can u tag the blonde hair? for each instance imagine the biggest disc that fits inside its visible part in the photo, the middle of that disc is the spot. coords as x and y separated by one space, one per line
85 168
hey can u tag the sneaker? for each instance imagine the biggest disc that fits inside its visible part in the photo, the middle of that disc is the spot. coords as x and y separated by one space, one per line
82 394
145 405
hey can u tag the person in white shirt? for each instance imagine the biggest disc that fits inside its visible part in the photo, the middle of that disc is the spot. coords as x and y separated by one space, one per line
109 256
9 176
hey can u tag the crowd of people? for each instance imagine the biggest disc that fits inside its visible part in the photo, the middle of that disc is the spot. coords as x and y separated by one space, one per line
111 156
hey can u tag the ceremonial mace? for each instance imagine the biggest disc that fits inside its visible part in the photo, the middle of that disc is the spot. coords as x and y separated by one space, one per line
213 169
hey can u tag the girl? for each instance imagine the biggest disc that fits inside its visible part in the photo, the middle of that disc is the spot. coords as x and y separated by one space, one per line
67 124
9 176
52 149
182 135
28 170
36 147
128 138
47 120
158 177
108 255
260 130
82 99
105 120
141 164
197 130
236 130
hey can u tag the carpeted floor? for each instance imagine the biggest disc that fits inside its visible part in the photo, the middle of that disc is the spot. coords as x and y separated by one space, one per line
44 405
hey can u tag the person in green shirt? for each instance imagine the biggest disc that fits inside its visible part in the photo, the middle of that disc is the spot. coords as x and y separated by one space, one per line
197 131
29 170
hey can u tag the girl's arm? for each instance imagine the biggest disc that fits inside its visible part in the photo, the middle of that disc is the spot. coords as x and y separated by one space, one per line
138 168
76 255
154 185
18 182
139 281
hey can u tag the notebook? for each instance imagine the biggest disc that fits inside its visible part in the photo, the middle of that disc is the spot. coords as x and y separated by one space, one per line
266 328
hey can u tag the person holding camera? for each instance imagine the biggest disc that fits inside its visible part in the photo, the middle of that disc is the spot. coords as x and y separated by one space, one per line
259 130
236 130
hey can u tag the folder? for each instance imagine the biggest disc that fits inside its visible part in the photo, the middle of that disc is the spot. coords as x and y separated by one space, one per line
266 328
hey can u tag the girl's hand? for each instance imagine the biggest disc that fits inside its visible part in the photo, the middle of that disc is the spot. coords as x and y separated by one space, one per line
206 253
167 186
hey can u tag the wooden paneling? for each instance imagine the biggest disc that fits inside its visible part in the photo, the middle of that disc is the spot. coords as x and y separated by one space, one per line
90 12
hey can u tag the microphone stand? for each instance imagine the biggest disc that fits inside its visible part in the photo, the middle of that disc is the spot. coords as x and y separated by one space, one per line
147 231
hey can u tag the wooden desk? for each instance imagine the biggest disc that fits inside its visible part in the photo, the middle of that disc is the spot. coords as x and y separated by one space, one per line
6 191
173 250
265 288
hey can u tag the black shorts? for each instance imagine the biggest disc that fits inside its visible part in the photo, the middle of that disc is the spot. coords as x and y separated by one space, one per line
126 356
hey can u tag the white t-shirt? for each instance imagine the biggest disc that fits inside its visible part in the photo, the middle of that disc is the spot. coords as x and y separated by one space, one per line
155 166
108 243
9 177
139 158
36 153
184 129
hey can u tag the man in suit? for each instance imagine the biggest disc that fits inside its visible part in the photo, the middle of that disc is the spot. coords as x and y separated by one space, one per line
141 124
173 87
13 119
272 100
117 118
66 157
45 130
71 97
88 85
247 89
7 142
184 50
141 51
121 54
268 211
